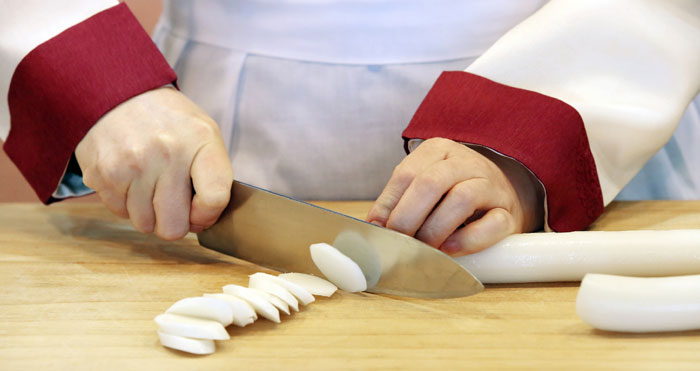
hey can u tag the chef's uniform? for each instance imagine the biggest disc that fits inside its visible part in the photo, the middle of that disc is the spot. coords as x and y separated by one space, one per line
312 96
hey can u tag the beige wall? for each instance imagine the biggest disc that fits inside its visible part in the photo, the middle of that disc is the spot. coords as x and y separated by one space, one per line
13 187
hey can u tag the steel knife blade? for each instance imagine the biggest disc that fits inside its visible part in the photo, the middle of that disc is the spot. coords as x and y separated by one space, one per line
276 231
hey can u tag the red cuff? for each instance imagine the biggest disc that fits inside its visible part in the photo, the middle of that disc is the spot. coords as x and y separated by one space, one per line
543 133
63 86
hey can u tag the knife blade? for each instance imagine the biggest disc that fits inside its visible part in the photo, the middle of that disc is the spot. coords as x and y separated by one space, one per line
275 231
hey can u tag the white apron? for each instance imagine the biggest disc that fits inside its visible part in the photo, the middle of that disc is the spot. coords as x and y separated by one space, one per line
312 95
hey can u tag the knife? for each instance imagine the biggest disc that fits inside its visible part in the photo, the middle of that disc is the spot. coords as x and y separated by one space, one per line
275 231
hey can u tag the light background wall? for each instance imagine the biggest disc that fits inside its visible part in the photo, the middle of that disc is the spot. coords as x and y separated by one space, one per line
13 187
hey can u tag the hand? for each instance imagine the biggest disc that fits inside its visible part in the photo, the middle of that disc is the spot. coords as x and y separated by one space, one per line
457 199
141 155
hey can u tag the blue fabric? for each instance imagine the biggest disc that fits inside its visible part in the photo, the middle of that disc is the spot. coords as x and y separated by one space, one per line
674 172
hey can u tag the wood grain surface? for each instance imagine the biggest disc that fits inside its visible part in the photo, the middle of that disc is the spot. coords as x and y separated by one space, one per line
80 289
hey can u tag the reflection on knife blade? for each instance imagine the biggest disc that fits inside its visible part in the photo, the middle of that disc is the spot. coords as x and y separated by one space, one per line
276 231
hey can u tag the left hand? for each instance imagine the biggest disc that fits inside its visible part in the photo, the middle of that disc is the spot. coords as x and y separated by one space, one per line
457 199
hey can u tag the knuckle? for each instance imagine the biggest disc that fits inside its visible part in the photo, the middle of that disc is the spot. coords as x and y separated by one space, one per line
499 216
429 182
402 172
206 127
119 169
108 173
403 175
166 146
129 155
504 219
213 200
429 236
382 207
379 213
202 128
463 194
131 170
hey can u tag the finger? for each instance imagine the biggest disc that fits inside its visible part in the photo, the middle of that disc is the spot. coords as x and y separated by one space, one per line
139 203
113 199
494 226
212 177
111 181
424 193
115 175
424 156
171 203
459 204
115 202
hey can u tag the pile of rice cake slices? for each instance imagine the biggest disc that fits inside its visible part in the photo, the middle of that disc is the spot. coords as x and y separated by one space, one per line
193 324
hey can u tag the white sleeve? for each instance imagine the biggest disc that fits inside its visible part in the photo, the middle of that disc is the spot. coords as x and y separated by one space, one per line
629 67
25 24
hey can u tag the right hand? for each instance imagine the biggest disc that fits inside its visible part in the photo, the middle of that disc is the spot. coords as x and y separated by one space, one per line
141 155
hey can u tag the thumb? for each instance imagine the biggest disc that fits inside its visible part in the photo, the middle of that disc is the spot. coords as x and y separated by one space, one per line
212 177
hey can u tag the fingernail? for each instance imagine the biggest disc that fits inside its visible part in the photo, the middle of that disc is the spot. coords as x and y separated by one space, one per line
196 228
450 247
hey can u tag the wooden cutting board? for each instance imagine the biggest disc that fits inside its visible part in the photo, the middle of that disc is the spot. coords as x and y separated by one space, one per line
80 289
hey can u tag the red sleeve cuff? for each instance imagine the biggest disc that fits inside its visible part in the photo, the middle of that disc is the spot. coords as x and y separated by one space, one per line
63 86
543 133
